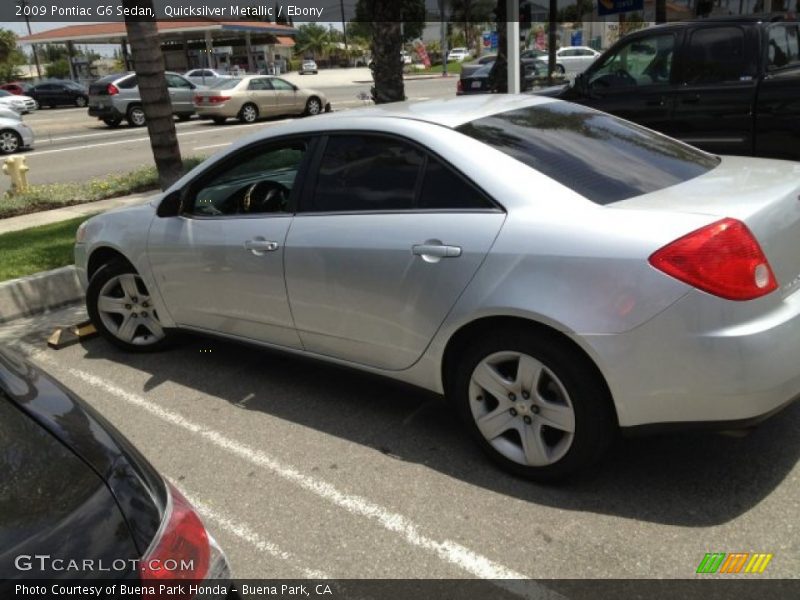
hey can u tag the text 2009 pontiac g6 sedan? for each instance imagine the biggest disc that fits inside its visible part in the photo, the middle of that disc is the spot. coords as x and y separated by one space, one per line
555 271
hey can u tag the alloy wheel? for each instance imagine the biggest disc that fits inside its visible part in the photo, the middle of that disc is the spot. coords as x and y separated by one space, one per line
314 107
126 310
137 117
522 409
249 113
9 142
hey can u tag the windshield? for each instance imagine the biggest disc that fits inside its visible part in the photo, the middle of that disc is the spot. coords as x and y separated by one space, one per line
597 155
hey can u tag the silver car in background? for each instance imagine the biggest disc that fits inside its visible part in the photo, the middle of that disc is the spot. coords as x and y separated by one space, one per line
14 132
556 272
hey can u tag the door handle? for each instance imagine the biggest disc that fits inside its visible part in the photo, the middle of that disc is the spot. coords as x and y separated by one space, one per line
433 252
260 247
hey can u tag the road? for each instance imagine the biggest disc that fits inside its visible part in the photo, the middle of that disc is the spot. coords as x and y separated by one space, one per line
301 469
71 146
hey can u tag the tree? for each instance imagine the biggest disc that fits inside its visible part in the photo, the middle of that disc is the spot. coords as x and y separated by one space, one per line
58 69
312 39
149 65
8 44
10 56
470 12
383 20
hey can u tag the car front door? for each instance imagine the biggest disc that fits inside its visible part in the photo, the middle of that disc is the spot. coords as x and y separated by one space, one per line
287 98
635 80
715 98
181 94
386 240
219 265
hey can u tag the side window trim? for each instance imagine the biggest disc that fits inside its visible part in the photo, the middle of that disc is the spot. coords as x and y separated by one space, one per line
195 185
309 186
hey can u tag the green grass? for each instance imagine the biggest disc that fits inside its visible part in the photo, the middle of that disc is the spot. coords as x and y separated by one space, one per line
453 68
37 249
57 195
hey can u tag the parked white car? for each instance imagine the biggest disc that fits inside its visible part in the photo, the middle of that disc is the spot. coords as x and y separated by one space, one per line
309 66
575 59
203 76
21 104
458 55
14 133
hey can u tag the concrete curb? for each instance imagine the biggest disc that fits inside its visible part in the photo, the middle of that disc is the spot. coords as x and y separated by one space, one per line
39 293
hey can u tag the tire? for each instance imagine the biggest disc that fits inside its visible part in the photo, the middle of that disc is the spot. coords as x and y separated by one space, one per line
81 102
129 322
313 106
136 117
184 116
220 120
112 122
248 113
560 69
10 141
570 395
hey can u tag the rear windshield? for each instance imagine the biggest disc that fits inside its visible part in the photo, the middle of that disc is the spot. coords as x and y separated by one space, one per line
227 84
598 156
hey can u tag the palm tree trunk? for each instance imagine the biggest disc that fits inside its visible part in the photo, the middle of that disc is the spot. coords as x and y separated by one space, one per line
149 65
387 70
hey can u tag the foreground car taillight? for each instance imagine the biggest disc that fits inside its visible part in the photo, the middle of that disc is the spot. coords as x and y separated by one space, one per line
112 90
181 550
723 259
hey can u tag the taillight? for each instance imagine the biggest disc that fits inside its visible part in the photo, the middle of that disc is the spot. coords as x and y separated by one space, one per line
723 259
112 90
181 550
459 86
218 99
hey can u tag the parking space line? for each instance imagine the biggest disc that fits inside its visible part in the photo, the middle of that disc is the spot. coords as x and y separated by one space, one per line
452 552
246 533
211 146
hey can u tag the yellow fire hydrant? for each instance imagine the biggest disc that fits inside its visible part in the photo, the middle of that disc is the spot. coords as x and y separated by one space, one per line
17 170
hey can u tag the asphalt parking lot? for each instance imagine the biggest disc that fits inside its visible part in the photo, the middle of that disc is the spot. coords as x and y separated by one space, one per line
301 469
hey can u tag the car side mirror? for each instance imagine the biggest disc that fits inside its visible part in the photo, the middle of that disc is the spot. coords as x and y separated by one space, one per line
170 205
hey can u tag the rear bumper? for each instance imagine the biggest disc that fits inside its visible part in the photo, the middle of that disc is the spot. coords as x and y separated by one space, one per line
704 363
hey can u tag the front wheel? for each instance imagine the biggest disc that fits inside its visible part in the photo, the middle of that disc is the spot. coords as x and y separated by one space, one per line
81 102
121 309
313 106
536 405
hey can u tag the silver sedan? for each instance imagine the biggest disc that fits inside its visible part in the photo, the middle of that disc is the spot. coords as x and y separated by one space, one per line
556 272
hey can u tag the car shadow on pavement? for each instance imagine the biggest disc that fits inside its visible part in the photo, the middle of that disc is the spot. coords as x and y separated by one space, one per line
693 480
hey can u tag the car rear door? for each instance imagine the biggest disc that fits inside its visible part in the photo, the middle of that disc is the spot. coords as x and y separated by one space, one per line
715 97
387 238
219 265
260 93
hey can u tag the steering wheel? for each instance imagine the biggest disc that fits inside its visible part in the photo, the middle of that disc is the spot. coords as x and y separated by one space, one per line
265 197
623 74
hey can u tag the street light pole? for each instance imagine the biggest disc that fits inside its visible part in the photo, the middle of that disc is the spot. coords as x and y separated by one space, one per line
23 4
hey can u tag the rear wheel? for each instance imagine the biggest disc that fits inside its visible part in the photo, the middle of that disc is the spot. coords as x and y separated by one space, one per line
112 122
136 117
560 69
80 102
184 116
313 106
120 307
248 113
220 120
535 405
10 141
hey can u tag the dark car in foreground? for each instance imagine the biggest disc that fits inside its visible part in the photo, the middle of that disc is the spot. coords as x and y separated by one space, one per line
78 501
59 93
728 86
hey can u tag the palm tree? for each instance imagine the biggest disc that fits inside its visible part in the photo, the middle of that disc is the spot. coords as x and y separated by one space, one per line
313 39
149 65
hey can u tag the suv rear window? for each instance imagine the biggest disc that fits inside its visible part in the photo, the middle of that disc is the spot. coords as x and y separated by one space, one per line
601 157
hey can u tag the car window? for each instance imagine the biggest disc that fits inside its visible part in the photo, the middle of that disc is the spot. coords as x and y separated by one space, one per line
601 157
281 85
717 55
175 81
259 84
442 188
260 182
783 49
366 173
127 84
643 61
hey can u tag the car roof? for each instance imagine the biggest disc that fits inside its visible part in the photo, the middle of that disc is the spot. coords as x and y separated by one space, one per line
449 112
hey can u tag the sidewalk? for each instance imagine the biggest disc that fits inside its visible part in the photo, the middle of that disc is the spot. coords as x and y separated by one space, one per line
56 215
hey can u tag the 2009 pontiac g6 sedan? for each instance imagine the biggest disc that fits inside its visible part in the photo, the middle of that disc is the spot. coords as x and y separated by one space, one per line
557 272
